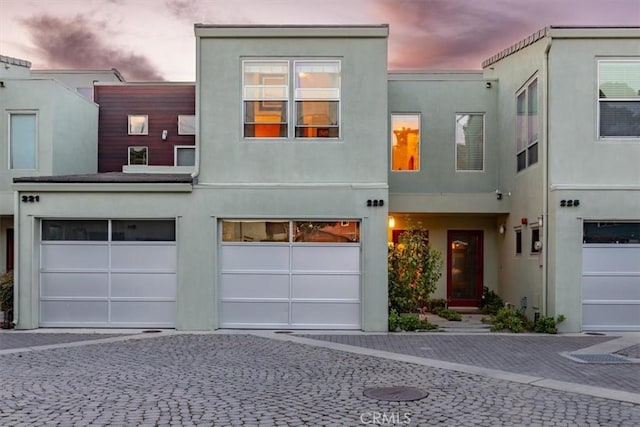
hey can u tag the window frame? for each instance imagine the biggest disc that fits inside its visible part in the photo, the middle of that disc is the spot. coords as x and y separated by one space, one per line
533 249
129 155
180 130
484 140
10 114
600 100
528 144
146 132
291 100
518 241
182 147
391 139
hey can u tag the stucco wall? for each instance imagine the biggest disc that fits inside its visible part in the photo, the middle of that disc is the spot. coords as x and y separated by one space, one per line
359 155
197 217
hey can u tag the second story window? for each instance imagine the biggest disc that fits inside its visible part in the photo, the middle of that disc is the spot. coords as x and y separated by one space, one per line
619 98
269 101
405 142
469 142
138 125
186 124
22 140
138 156
527 126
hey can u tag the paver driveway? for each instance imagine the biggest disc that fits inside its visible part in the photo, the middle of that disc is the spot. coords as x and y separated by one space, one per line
215 379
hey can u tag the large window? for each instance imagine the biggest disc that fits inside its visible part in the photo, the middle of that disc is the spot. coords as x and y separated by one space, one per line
619 98
316 99
405 142
469 142
527 126
22 141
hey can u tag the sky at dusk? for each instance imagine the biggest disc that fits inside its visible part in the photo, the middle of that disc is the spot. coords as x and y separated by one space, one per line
154 39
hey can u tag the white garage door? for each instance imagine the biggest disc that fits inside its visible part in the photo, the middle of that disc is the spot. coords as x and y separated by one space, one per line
290 274
611 276
108 273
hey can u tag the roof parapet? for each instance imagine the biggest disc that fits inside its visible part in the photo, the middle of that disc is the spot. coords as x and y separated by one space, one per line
15 61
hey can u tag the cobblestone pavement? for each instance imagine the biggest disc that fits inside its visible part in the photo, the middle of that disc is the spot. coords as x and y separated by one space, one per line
227 380
537 355
15 339
633 351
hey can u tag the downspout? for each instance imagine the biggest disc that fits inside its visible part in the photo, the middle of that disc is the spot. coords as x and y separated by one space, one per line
545 181
16 257
196 165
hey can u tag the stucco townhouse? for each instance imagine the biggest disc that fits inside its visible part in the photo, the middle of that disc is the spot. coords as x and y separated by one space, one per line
307 157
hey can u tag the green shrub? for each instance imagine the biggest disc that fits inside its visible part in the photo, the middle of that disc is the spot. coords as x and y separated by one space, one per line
491 303
6 292
547 325
448 314
414 269
508 318
436 303
407 322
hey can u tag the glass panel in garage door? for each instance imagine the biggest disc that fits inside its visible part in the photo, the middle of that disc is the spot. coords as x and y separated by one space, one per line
255 231
143 230
75 230
327 231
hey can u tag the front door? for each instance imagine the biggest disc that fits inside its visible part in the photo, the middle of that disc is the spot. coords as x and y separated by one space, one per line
464 267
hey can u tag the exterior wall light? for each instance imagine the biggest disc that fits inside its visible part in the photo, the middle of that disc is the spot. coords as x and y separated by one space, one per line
392 222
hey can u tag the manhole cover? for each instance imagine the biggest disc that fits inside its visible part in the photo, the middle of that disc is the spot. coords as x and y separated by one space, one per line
151 331
600 358
283 332
395 394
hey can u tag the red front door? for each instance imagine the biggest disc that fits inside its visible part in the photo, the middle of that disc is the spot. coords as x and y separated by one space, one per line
464 267
9 249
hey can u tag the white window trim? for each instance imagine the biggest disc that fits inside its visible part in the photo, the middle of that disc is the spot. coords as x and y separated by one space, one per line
291 100
24 113
517 230
194 123
484 144
598 99
179 147
295 99
129 124
524 89
244 99
403 113
531 242
129 154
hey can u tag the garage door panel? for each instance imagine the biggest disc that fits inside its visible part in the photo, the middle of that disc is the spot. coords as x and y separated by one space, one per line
254 313
151 257
621 258
310 314
54 284
143 285
326 258
611 315
73 312
334 286
254 286
247 257
611 287
86 257
160 313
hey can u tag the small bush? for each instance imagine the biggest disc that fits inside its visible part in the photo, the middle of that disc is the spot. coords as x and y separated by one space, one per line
436 303
491 303
508 318
547 325
407 322
6 292
448 314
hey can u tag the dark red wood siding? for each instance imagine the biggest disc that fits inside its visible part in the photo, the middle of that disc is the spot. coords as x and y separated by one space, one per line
162 103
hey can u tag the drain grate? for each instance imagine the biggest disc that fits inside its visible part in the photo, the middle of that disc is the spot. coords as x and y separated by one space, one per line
600 358
283 332
395 394
151 331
